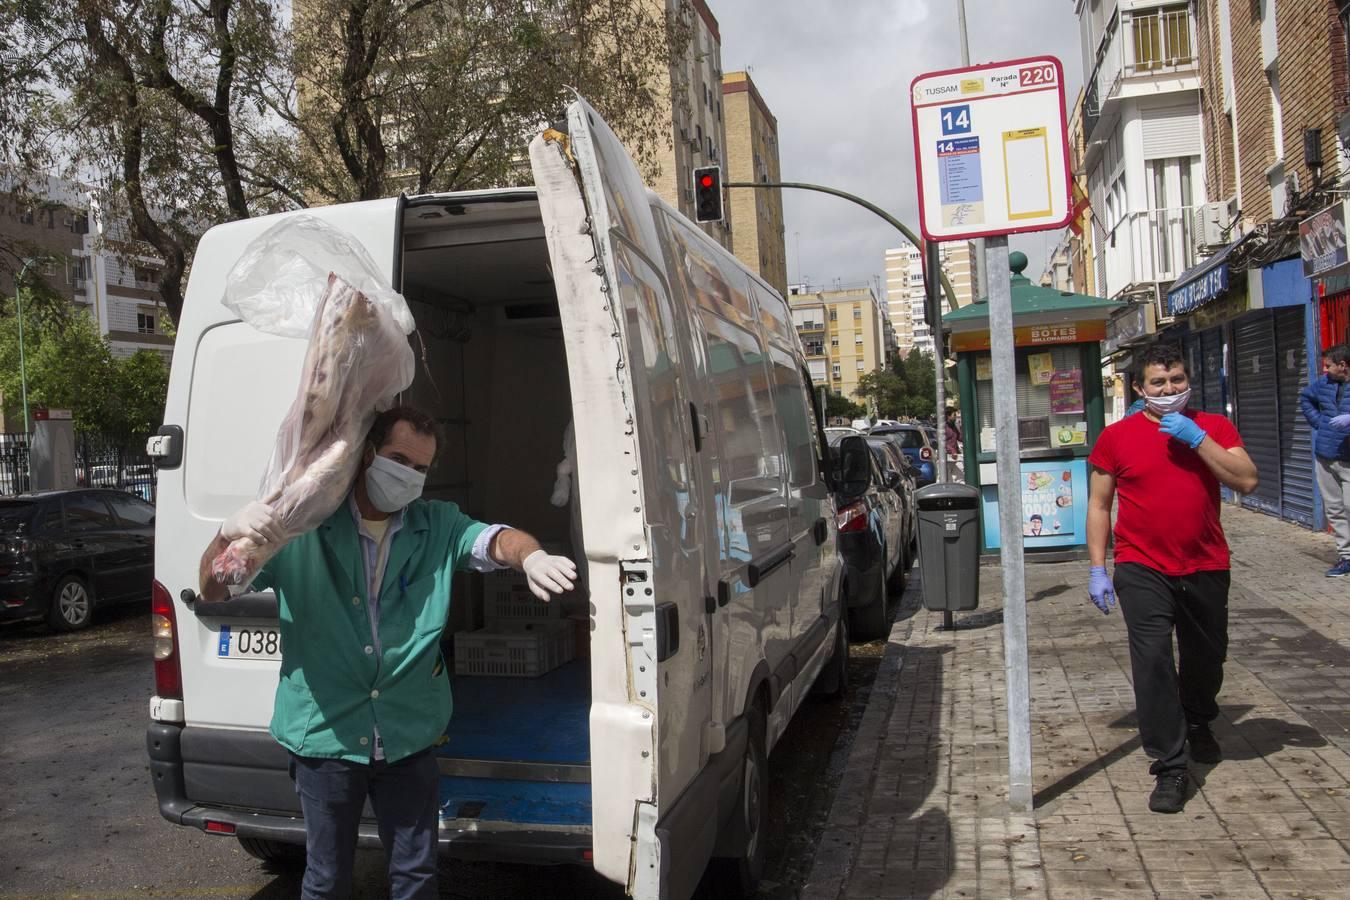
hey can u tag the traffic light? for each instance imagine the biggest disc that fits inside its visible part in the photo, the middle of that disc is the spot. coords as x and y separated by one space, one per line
708 194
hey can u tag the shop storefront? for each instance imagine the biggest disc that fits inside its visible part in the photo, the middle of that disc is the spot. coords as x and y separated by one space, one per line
1059 394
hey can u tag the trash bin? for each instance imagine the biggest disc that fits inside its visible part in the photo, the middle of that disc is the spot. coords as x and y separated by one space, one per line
949 546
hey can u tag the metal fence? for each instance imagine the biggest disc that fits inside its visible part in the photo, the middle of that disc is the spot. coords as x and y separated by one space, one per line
99 462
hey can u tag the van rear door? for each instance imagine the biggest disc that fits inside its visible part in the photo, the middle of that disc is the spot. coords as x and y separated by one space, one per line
229 388
651 654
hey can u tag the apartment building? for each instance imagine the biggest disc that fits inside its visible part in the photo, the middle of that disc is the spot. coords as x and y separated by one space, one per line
841 334
93 263
905 290
756 214
698 118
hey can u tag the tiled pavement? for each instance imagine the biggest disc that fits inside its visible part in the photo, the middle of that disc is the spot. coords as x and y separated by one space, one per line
921 811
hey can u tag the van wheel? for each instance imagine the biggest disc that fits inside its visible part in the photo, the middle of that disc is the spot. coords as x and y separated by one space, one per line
72 606
744 871
870 623
833 679
273 851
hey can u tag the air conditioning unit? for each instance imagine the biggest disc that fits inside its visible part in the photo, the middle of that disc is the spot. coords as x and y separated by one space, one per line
1213 221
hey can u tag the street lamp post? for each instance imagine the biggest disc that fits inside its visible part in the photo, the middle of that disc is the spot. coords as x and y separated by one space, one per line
23 365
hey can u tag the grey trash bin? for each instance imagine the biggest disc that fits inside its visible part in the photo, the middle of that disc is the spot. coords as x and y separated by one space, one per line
949 546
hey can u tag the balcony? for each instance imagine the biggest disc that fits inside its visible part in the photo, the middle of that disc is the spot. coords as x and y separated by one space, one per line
1145 249
1140 47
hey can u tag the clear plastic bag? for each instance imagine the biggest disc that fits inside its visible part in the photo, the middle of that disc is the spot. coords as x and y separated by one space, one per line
278 282
358 361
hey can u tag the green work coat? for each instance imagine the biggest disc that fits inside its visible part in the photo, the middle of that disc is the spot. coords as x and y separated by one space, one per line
335 686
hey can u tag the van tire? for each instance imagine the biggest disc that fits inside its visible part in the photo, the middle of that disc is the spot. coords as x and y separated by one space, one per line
742 873
72 605
870 622
833 679
273 851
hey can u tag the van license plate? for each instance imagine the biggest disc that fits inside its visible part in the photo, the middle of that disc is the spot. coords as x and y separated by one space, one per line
249 643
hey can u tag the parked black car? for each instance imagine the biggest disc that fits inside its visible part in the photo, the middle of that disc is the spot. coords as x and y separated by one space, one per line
869 524
893 461
62 553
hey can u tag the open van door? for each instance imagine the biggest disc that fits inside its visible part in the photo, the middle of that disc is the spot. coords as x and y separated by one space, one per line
651 659
229 389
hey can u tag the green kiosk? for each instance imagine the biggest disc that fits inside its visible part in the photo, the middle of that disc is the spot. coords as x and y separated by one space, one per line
1059 407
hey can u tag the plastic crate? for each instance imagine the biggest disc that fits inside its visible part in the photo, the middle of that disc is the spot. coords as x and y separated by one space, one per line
507 596
515 648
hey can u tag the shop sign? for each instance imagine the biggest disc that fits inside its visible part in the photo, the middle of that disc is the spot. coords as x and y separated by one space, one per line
1128 327
1198 292
1222 311
1034 335
1321 241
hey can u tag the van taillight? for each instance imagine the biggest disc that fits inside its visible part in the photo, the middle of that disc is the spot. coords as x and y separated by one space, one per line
852 518
925 453
168 671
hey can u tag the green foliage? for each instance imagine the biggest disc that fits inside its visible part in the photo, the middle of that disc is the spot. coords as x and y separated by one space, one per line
839 405
905 390
70 366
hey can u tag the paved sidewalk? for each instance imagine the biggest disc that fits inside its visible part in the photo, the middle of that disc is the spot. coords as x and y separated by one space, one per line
921 811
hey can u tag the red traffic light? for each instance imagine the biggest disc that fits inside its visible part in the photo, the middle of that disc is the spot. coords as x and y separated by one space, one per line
706 181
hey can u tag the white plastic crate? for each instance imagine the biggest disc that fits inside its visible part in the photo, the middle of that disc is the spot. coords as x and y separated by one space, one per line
518 648
506 594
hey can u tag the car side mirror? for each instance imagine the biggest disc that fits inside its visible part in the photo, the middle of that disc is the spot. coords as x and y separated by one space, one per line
892 479
854 466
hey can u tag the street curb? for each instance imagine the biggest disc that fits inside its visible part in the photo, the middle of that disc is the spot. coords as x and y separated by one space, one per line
838 847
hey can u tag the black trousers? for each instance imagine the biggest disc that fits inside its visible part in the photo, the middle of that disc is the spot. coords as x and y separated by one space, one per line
1172 694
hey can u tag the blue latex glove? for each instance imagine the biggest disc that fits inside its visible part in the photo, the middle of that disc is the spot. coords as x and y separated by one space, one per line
1101 590
1136 406
1342 422
1184 429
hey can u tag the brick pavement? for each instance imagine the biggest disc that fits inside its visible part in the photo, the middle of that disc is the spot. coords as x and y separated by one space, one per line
921 810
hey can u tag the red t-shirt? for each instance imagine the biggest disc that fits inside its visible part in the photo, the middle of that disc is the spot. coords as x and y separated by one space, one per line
1168 518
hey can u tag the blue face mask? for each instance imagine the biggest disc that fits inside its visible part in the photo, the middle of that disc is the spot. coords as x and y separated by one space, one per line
392 486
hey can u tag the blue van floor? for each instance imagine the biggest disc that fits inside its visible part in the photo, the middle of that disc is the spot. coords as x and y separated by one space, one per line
544 719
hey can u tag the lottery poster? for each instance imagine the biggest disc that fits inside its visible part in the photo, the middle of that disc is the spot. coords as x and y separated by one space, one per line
1047 502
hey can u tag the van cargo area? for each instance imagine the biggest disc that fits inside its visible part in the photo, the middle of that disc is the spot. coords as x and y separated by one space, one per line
493 372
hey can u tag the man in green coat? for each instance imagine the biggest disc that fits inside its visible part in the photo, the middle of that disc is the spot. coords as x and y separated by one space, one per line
364 694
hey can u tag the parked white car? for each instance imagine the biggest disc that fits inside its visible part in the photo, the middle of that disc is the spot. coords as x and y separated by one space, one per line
709 528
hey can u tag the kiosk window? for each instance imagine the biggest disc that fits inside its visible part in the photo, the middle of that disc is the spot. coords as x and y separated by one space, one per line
1051 408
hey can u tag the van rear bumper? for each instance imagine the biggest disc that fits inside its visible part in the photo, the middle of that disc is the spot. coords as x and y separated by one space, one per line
230 767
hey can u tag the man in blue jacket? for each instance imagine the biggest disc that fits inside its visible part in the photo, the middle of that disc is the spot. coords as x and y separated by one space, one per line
1326 405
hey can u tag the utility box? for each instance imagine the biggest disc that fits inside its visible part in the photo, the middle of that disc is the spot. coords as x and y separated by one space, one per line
51 460
949 546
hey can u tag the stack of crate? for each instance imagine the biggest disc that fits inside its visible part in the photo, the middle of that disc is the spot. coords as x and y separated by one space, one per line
522 635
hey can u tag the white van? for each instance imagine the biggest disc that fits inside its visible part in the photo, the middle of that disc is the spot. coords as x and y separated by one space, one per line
705 534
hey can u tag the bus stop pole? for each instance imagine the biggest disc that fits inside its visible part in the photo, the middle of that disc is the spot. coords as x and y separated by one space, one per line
933 308
1001 344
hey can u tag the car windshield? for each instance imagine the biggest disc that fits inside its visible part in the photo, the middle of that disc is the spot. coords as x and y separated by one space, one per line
15 514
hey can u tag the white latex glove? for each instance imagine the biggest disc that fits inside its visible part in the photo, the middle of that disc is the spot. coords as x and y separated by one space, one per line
255 521
548 574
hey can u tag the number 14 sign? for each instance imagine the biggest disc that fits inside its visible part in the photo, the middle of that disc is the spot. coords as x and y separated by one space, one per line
990 149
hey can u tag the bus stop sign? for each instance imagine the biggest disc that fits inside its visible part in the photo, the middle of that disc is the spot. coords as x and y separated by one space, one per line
991 150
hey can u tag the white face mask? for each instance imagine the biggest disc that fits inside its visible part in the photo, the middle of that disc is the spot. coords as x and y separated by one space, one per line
392 486
1161 406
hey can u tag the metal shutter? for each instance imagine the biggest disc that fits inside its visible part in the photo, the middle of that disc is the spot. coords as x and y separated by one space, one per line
1258 405
1195 366
1296 456
1212 398
1171 131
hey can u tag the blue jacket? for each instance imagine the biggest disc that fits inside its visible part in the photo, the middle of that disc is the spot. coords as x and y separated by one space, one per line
1318 402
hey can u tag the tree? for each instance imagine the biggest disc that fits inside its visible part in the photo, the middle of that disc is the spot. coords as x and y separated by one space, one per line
68 366
141 384
920 391
185 113
884 391
839 405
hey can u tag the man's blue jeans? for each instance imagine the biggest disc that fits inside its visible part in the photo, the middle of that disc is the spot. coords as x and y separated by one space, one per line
405 799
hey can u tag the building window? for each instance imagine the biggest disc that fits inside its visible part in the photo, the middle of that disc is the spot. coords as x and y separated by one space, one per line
26 216
834 371
834 315
857 313
51 217
858 340
145 323
860 365
1162 39
834 342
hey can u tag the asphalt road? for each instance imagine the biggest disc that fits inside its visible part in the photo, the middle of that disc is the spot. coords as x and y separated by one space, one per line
78 814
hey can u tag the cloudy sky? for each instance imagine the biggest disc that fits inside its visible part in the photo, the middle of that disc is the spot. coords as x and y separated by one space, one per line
837 75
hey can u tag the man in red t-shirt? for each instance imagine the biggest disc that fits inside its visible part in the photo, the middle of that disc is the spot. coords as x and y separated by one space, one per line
1166 464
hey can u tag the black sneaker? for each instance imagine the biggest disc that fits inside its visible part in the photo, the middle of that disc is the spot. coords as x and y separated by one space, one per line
1204 749
1169 794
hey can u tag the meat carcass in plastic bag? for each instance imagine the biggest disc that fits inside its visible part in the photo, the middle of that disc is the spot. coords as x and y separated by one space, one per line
358 360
